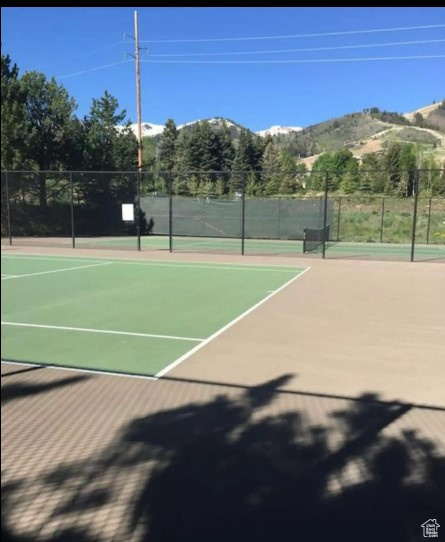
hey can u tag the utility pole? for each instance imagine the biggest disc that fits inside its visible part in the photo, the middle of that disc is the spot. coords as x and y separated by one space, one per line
138 86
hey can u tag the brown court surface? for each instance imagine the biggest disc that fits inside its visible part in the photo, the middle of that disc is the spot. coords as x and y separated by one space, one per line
320 413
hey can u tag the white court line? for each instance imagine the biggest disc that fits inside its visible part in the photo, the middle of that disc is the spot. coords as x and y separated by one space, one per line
78 370
91 330
55 271
229 267
215 265
227 326
4 276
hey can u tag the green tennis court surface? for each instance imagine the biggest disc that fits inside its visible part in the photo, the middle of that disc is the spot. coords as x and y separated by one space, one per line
370 250
127 316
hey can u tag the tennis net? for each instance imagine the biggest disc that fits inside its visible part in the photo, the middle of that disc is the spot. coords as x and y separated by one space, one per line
314 238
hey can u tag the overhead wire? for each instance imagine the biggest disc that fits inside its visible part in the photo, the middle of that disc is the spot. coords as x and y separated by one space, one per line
298 61
292 36
277 51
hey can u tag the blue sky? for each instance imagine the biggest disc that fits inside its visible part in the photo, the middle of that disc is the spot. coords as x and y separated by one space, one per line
64 41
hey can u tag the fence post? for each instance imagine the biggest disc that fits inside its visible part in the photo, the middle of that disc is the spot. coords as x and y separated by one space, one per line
416 200
170 212
382 219
243 213
429 222
8 210
138 208
73 237
339 217
325 212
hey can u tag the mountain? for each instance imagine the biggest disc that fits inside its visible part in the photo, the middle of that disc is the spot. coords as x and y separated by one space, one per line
217 123
369 131
155 130
148 129
433 115
279 130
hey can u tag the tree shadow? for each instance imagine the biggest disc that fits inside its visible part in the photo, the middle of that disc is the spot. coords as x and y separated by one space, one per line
232 469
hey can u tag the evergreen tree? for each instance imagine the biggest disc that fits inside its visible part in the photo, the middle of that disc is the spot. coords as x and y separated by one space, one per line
271 169
391 164
182 162
323 165
227 150
102 135
292 174
350 182
408 166
246 159
372 176
50 127
168 146
343 161
13 100
108 149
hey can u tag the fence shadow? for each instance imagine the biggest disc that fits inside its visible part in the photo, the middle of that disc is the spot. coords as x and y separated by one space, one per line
13 391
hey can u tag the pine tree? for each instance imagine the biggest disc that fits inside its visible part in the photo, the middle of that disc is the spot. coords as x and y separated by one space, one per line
48 127
408 167
13 100
168 147
322 166
350 182
392 165
292 174
271 169
227 150
371 174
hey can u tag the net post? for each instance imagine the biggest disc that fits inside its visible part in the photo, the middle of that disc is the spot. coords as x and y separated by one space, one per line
416 200
325 213
138 208
243 213
73 237
170 212
382 218
8 209
429 222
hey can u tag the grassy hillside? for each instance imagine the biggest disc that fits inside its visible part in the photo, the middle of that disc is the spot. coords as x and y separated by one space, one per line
437 118
370 131
433 115
332 135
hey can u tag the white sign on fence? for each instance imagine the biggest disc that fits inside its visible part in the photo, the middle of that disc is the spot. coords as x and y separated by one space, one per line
128 212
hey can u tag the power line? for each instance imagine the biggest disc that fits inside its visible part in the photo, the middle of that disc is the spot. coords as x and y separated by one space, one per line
65 76
304 61
343 33
83 55
300 50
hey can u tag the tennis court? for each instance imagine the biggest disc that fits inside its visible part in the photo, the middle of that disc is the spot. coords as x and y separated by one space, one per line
271 380
280 247
121 315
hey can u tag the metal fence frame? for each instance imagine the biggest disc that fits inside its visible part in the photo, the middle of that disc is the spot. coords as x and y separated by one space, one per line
170 176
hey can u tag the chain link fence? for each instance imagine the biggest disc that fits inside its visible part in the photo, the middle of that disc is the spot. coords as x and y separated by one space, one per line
335 215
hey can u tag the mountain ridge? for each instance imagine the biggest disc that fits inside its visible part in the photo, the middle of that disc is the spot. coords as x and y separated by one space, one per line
370 130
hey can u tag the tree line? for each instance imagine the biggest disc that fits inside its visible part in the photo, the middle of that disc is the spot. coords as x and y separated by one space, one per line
40 131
